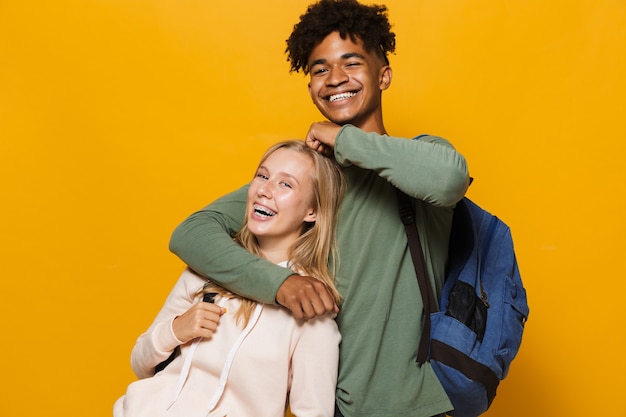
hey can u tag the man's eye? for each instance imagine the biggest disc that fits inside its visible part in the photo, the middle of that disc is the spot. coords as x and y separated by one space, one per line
318 71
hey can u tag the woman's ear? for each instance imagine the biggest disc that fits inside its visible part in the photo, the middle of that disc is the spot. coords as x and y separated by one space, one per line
311 216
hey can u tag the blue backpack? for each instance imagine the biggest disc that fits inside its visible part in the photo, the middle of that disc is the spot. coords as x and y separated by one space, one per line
476 327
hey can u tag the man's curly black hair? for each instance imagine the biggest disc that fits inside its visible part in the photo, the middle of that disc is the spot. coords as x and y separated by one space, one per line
349 18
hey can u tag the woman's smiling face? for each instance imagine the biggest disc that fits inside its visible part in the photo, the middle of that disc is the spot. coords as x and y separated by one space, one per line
280 198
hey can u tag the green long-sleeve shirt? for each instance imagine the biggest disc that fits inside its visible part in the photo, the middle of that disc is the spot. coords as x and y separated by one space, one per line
381 310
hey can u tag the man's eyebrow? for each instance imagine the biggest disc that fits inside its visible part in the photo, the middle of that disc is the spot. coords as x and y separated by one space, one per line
320 61
352 55
344 57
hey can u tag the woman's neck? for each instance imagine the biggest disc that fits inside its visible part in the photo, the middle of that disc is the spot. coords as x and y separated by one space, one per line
274 255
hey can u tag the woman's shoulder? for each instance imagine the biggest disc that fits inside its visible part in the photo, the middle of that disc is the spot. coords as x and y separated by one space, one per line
279 314
191 281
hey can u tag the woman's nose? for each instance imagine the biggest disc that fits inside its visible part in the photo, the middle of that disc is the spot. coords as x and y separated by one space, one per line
265 190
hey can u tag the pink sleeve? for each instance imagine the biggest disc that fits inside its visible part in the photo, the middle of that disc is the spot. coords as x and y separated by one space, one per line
158 342
314 369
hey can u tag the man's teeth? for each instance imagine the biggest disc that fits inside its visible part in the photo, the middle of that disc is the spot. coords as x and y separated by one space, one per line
264 211
341 96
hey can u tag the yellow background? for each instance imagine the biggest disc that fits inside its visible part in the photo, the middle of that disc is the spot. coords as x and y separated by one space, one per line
119 118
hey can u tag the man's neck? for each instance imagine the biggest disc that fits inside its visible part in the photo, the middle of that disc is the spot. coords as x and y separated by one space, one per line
373 126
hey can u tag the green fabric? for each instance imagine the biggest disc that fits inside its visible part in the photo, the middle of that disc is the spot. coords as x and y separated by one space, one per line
381 310
201 243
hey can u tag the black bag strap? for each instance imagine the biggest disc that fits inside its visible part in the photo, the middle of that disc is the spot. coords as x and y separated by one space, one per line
407 214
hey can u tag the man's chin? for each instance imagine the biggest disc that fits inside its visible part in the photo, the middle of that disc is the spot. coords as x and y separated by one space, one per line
333 116
338 120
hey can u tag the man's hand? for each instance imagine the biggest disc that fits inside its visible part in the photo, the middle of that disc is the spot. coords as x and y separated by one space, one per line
306 297
321 137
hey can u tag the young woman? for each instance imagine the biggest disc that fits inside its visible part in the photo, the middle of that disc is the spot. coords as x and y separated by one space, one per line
239 357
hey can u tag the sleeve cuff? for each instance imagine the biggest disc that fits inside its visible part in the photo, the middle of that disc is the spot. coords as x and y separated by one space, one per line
164 339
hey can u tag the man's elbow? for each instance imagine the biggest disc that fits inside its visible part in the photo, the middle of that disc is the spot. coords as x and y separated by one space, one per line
456 185
177 238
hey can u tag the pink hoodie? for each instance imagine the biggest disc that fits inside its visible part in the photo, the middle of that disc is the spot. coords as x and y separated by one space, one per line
250 372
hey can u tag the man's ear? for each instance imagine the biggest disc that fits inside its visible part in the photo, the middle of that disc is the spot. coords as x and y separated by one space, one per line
385 77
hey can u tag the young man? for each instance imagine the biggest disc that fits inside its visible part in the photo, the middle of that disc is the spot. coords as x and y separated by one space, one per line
343 45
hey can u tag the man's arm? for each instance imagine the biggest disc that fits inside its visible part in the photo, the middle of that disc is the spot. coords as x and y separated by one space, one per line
429 169
204 242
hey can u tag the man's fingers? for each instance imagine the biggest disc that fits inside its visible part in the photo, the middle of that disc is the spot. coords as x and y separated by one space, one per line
306 297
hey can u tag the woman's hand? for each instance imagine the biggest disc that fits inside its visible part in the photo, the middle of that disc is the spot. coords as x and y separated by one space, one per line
200 320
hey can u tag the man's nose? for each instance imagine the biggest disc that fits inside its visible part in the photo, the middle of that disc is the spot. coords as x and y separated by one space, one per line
336 76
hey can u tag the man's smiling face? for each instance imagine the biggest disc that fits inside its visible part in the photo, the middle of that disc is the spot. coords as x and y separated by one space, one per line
347 81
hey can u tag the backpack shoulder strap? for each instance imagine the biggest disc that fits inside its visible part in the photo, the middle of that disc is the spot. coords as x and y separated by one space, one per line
407 214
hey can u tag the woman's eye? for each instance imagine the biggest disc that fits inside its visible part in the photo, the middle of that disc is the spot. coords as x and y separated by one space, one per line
285 184
261 176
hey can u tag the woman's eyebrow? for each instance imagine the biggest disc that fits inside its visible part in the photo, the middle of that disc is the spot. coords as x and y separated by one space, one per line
288 175
278 174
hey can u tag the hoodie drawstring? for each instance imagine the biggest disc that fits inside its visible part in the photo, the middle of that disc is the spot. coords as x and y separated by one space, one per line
184 373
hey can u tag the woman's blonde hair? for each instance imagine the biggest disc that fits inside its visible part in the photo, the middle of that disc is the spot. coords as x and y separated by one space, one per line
314 253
